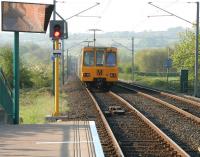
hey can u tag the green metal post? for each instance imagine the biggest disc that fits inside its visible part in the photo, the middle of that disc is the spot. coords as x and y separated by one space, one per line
16 77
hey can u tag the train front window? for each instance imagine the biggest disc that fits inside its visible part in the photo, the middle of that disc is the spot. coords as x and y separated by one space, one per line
111 59
100 58
88 58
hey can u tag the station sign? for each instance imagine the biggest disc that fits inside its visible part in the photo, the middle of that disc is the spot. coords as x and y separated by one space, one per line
168 63
25 17
57 52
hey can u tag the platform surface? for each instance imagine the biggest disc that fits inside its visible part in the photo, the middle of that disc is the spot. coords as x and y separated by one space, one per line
65 139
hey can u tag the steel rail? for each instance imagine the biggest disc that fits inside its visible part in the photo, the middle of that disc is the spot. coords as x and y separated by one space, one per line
181 99
184 113
192 102
116 145
177 148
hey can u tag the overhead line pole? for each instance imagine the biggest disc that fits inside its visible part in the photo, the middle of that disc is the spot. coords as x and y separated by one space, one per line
132 59
53 66
67 63
197 51
63 61
94 30
196 43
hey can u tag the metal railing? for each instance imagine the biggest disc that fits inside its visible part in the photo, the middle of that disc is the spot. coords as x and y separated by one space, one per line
6 101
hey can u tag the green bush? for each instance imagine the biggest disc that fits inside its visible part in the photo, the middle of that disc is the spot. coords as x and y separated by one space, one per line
31 75
6 61
41 75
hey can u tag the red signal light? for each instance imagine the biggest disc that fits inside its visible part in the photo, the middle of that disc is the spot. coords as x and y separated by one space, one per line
57 31
56 34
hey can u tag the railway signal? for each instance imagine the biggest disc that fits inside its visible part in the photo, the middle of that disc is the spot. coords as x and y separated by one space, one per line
56 29
56 33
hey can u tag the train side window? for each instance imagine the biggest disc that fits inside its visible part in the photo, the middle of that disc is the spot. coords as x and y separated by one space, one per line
88 58
100 58
111 59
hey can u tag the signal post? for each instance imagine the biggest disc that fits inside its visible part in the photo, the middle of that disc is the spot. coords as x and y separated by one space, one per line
56 75
57 34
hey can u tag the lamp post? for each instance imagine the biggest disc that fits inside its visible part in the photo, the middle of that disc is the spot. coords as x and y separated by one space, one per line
196 42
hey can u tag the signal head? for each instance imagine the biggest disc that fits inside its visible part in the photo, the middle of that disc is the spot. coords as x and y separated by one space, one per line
57 29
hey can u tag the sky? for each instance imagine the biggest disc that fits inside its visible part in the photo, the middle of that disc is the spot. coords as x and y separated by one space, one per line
123 15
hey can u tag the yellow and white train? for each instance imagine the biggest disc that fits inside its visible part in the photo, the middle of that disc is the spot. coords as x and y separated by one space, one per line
98 66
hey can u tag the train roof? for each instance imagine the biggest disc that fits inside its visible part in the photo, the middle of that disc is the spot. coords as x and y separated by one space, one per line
99 47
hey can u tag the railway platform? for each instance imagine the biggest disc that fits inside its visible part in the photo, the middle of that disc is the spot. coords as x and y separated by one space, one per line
63 139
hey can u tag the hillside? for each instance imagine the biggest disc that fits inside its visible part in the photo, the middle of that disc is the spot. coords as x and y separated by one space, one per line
39 46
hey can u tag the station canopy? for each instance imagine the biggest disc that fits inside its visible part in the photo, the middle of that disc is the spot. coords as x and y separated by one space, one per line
25 17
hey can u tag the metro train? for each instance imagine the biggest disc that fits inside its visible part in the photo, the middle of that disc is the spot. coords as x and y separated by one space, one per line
98 67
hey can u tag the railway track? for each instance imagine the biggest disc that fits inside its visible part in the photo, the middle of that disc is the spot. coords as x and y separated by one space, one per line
136 135
188 105
83 108
181 126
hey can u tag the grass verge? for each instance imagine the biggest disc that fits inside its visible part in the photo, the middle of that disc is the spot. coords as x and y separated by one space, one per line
154 81
158 82
35 104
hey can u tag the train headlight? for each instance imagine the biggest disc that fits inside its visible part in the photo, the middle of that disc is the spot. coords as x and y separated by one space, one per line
86 74
113 75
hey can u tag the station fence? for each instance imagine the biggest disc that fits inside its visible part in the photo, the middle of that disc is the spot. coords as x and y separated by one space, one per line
6 101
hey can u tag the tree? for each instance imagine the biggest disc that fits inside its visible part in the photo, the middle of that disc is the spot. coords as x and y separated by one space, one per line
151 60
183 55
6 64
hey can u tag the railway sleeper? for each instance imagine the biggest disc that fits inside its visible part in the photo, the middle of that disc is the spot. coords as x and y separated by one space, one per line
147 149
136 137
141 143
156 146
151 152
135 154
